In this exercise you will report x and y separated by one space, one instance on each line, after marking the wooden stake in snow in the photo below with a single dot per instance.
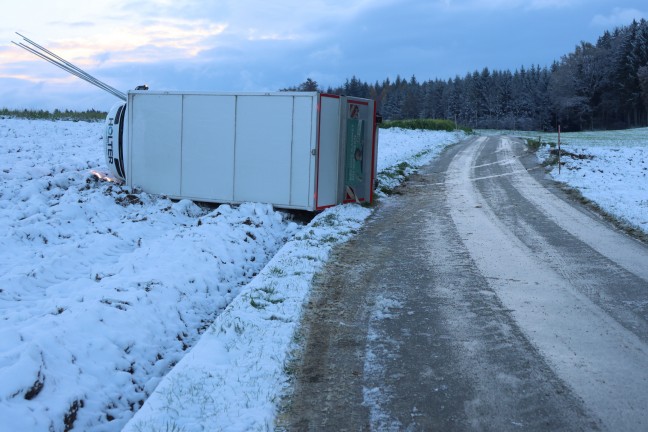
558 149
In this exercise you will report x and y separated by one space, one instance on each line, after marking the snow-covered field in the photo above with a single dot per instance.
112 301
103 291
613 172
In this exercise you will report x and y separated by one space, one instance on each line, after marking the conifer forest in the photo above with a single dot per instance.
597 86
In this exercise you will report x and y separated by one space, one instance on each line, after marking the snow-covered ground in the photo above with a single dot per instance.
401 151
110 300
613 172
103 292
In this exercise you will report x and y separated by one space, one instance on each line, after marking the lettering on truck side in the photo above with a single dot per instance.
109 140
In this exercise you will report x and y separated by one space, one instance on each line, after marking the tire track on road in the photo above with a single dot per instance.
603 362
437 348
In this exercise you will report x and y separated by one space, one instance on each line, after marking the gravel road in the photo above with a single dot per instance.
480 298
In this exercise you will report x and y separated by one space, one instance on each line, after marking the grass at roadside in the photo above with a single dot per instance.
425 124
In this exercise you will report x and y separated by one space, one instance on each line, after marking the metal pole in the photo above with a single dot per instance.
60 62
68 70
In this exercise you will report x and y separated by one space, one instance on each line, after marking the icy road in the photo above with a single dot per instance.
480 299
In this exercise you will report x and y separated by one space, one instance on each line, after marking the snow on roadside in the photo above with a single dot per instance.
414 147
401 151
233 378
104 290
613 174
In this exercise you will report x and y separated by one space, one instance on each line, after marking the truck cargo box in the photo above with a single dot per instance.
296 150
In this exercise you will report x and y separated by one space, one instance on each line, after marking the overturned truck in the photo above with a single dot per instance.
296 150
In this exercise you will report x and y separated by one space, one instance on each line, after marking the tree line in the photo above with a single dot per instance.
597 86
90 115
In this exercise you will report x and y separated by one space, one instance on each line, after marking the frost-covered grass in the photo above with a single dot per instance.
621 138
103 291
615 178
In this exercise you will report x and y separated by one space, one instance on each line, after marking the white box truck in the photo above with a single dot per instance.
295 150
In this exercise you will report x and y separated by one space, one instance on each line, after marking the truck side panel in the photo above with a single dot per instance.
263 146
300 150
208 147
156 137
301 177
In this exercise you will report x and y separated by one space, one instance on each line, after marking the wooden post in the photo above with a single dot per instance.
558 149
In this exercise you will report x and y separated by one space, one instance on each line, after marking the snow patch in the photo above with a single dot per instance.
379 347
232 379
614 174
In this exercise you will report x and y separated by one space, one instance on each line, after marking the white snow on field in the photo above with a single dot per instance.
614 174
104 290
110 298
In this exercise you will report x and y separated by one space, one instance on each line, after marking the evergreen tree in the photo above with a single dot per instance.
596 86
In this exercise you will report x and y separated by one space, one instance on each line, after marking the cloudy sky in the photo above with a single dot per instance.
266 45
